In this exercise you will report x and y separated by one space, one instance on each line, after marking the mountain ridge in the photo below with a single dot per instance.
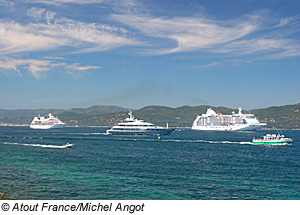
281 117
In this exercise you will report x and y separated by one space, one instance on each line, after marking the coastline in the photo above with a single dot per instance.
3 196
93 126
13 125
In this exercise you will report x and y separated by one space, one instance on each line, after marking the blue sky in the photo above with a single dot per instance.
79 53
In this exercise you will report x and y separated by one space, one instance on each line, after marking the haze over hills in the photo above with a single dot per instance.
78 115
93 110
99 109
281 117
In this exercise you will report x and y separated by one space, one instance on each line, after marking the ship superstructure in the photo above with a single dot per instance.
212 121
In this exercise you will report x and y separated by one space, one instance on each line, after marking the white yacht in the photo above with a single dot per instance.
132 126
211 121
41 122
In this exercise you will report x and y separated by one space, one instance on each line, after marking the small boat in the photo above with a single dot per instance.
68 145
272 139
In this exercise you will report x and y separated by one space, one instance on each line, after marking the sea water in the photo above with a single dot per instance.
185 165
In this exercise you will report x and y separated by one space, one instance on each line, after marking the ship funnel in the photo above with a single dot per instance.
240 111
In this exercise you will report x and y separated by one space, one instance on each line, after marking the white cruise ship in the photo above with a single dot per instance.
42 122
211 121
132 126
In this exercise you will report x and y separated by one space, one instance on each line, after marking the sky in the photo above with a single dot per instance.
79 53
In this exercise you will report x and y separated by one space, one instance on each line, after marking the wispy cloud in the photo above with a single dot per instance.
43 31
272 48
6 5
59 2
32 65
76 66
37 13
117 4
209 65
248 35
17 38
54 32
288 21
38 67
189 33
46 31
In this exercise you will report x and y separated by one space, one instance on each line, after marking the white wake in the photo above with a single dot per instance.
37 145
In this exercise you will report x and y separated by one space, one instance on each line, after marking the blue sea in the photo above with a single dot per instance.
185 165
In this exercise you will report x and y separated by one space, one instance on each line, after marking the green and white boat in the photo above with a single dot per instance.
272 139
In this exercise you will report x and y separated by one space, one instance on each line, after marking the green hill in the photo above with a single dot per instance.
99 109
282 117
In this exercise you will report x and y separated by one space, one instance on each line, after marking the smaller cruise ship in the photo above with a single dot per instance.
132 126
41 122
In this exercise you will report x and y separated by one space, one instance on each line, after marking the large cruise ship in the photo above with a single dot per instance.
132 126
211 121
41 122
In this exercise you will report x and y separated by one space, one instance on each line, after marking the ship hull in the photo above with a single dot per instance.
47 126
270 142
236 127
140 132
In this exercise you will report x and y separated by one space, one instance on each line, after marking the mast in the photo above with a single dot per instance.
131 117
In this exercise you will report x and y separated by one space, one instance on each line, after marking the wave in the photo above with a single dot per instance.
177 140
88 134
207 141
197 141
154 140
37 145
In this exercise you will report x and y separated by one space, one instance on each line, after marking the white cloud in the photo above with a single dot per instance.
47 33
59 32
115 3
54 58
276 48
10 64
16 38
32 65
38 67
293 20
189 33
77 67
58 2
237 36
6 5
36 13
